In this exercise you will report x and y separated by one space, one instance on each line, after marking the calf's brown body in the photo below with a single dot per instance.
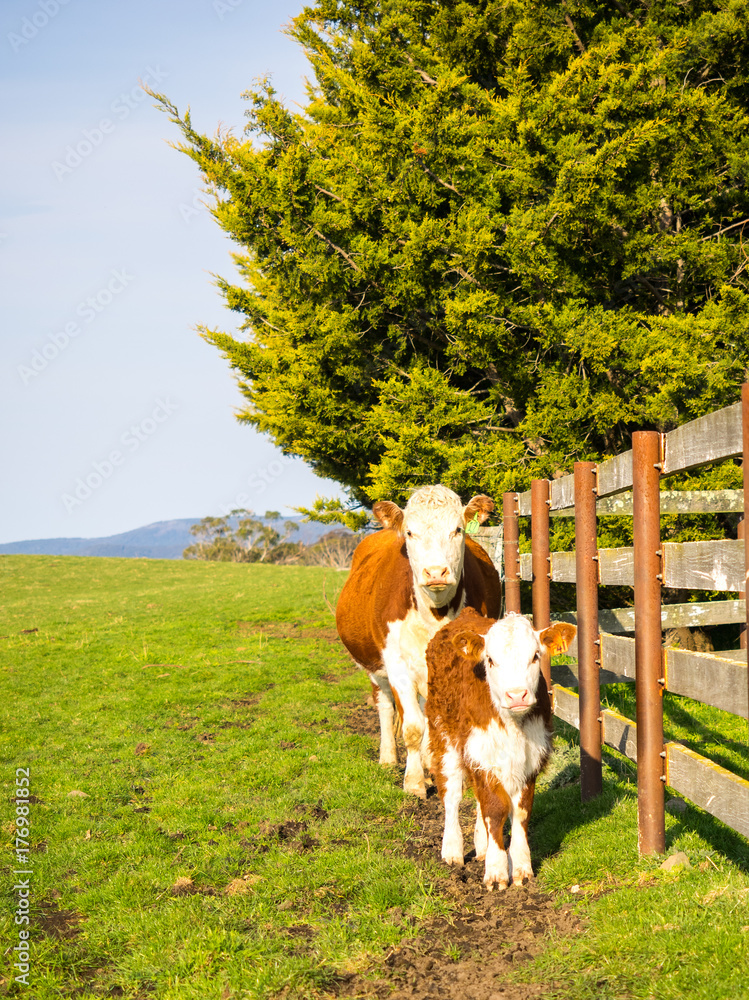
489 734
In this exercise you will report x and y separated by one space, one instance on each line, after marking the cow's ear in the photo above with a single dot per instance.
480 507
388 514
470 644
558 636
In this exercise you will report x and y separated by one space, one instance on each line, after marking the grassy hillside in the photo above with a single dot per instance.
205 825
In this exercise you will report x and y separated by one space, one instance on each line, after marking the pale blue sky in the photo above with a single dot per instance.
106 266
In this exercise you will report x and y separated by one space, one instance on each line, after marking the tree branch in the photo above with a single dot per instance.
328 193
336 248
439 180
726 229
578 40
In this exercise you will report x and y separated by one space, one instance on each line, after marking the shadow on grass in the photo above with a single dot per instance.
558 810
557 807
682 723
699 735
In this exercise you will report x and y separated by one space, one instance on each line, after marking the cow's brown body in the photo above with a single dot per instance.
380 590
390 608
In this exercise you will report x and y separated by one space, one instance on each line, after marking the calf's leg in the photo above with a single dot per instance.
479 834
495 807
448 774
520 855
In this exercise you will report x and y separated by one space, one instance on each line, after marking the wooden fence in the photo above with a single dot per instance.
629 484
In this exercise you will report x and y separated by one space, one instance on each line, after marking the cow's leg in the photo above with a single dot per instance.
426 754
495 807
385 704
448 774
414 724
479 834
413 736
520 855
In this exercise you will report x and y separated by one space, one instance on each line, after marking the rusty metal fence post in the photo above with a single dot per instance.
741 536
511 551
541 563
649 679
588 642
745 470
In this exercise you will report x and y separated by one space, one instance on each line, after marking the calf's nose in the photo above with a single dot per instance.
519 698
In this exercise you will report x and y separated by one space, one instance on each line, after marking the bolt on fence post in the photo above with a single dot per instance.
745 470
646 466
541 564
511 550
588 650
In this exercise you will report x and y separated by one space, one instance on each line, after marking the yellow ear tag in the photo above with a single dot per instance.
473 525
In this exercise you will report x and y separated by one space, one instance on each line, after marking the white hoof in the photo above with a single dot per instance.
453 859
521 875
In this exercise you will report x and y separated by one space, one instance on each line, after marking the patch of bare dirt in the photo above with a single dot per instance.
56 923
184 886
488 935
288 630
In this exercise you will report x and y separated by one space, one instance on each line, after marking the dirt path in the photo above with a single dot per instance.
469 956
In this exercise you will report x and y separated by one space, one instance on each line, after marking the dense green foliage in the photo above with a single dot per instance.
500 237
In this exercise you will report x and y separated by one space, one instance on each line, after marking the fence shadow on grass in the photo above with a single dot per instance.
558 810
678 714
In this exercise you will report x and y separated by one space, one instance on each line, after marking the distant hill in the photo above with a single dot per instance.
161 540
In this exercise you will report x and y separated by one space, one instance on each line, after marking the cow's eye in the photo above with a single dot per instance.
458 530
409 534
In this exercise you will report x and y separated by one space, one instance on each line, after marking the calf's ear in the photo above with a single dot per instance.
470 644
479 506
558 636
388 514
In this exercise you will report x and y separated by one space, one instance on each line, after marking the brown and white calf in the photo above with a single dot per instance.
489 719
405 583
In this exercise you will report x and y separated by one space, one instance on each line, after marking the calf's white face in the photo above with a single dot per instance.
433 525
511 654
512 658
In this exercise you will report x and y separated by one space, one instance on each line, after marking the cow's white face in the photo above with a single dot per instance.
511 653
433 525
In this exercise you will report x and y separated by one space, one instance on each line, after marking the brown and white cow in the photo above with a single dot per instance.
405 583
489 720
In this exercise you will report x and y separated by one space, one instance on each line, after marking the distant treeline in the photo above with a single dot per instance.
243 537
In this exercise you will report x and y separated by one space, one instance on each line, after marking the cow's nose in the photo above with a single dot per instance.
436 576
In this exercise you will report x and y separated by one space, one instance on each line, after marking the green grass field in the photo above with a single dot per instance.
205 826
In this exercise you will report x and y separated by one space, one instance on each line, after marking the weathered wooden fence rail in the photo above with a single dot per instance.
629 485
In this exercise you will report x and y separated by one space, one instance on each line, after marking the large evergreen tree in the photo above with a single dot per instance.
502 235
